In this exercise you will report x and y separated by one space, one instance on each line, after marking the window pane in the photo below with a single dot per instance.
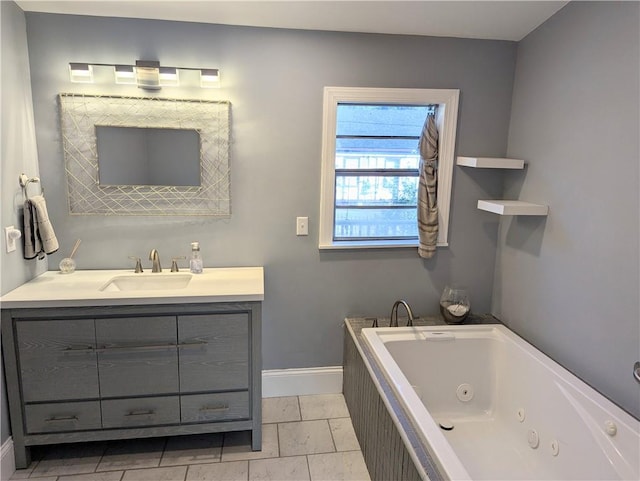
364 161
367 145
354 223
381 138
381 120
376 191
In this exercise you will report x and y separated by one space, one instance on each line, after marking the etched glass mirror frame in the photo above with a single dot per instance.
79 114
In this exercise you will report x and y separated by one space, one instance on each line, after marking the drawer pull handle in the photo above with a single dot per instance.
61 419
148 412
152 347
192 344
214 409
83 349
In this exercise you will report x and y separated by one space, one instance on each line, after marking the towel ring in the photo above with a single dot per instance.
25 181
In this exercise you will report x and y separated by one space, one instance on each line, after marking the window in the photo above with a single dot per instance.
370 164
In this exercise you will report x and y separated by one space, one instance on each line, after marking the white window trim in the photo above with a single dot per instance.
446 119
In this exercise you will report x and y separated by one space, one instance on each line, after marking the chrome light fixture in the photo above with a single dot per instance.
146 74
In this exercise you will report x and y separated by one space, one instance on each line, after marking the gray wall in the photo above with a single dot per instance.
569 283
274 80
18 155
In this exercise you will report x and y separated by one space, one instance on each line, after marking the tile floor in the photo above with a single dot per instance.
304 438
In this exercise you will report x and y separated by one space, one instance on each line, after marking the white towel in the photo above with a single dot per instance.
39 237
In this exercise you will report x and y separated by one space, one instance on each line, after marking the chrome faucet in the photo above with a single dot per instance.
155 257
394 309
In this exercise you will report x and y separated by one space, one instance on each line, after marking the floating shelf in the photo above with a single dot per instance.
512 207
490 163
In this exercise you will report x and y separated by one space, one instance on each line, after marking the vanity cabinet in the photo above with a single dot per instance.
114 372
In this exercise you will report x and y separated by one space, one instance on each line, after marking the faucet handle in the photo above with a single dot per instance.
138 264
174 263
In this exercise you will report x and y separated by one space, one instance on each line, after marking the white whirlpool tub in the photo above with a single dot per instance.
487 405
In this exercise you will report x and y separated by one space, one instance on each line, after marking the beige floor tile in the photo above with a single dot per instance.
66 459
106 476
345 466
323 406
194 449
237 445
305 437
343 434
280 409
174 473
281 469
132 454
24 473
45 478
233 471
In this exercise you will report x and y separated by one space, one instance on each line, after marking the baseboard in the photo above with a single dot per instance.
7 460
300 382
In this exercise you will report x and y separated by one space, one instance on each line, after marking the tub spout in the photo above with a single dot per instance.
394 310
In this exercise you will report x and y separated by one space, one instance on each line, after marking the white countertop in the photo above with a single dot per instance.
82 288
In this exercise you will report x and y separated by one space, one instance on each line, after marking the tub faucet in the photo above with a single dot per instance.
394 310
155 257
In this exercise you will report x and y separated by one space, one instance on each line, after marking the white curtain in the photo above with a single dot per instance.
427 189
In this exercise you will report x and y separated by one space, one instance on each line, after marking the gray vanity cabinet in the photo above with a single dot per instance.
96 373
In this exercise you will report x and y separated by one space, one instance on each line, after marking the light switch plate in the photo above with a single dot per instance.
302 226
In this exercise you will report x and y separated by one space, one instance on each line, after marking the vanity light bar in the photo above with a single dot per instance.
125 74
81 72
147 74
209 78
169 77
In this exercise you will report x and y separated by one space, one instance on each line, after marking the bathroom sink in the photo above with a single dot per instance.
147 282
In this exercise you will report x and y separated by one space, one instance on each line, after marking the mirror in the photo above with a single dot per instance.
189 138
148 156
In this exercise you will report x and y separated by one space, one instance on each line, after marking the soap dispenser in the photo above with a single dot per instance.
195 262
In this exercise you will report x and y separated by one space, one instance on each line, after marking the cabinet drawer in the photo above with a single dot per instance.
122 413
57 359
215 407
137 356
214 352
74 416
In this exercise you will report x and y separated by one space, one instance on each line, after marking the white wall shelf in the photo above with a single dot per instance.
512 207
502 207
490 163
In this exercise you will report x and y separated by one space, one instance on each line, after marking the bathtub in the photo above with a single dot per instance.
487 405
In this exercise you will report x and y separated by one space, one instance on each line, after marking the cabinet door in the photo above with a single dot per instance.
57 359
137 356
214 352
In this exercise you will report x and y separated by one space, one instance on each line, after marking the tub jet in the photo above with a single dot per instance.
446 425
